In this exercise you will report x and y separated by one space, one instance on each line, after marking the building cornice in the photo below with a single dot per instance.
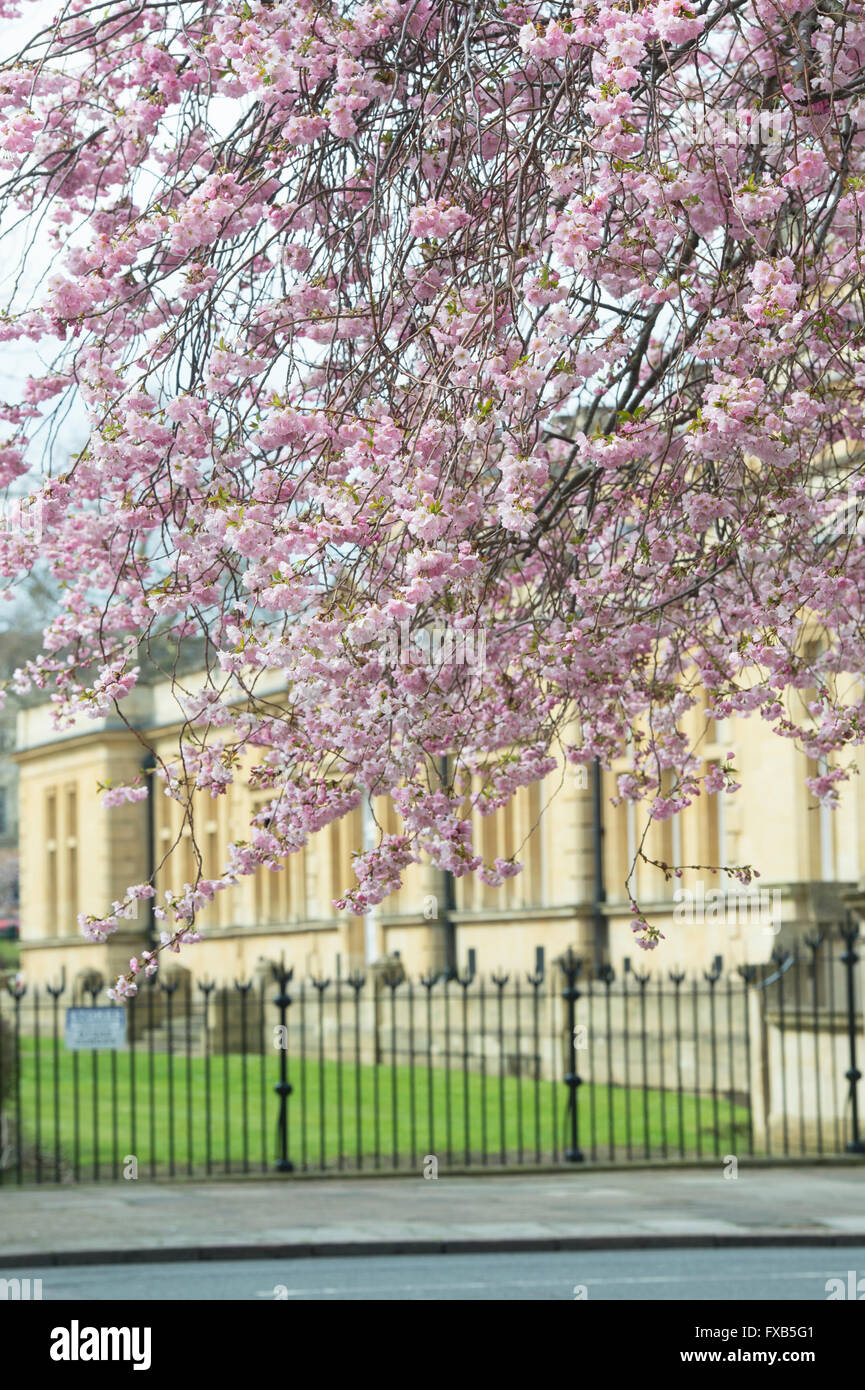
76 742
566 912
53 943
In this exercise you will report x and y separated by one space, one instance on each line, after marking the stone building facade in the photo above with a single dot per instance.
576 847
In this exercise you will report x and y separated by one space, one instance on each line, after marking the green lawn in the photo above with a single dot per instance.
10 954
402 1115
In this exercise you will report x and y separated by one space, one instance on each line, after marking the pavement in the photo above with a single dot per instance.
580 1209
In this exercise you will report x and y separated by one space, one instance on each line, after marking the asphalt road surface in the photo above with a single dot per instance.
797 1274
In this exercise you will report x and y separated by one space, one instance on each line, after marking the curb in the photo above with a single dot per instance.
483 1245
480 1171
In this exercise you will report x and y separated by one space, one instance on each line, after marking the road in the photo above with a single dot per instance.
796 1274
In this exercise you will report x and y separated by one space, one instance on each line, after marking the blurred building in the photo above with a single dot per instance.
8 816
16 646
576 847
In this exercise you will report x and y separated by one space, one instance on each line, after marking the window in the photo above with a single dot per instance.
716 831
52 925
271 886
212 867
821 838
71 906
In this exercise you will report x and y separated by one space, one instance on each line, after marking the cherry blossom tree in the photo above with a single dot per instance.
542 321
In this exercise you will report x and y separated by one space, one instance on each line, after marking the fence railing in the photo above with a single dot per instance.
375 1071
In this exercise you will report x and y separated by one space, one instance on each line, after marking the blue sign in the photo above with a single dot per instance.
102 1029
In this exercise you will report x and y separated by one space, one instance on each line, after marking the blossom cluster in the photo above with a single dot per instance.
450 317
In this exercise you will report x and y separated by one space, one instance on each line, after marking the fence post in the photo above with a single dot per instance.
571 968
850 933
283 1088
17 989
10 1081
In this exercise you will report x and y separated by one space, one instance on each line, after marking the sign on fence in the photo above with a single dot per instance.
95 1028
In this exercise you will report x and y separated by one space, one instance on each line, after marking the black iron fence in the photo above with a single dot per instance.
375 1071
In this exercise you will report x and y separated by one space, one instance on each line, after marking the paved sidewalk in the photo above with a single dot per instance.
139 1221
